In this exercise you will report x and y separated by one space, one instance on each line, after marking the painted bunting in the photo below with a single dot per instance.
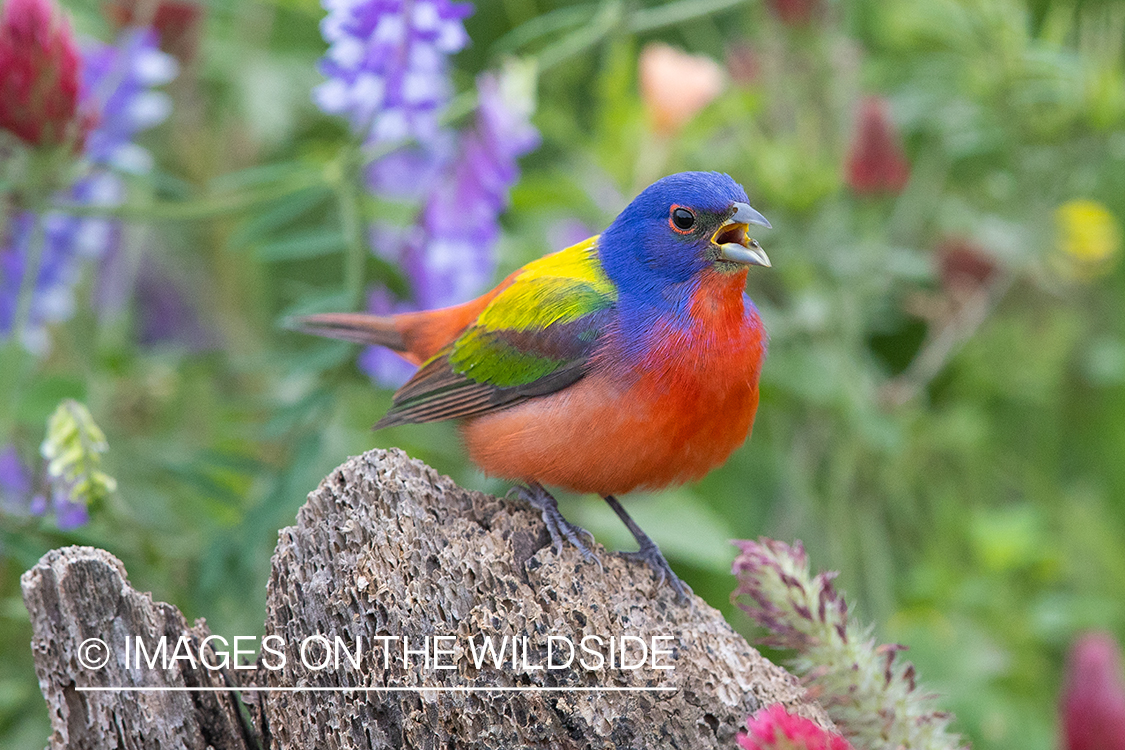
629 360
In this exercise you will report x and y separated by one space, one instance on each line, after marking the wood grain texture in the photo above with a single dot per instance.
388 547
77 593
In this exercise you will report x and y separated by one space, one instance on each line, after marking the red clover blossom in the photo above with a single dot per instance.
774 728
1093 696
39 74
876 162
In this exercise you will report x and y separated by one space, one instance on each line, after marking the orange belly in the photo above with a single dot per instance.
668 423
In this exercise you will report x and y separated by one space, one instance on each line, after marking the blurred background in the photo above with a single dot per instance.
943 405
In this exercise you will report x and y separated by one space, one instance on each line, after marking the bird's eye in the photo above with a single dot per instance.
682 219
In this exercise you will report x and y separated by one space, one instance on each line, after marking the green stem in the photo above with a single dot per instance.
6 211
22 318
609 16
204 208
549 23
648 19
351 216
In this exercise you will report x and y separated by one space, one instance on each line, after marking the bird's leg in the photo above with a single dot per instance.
558 527
648 551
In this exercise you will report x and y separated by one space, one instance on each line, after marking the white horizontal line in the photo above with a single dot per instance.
315 689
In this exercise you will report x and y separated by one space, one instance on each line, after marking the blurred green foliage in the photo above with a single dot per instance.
953 445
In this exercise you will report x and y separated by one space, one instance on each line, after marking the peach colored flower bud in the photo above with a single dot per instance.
1093 697
675 86
876 162
39 74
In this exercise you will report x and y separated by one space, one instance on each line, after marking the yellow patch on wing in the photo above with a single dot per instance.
579 262
557 288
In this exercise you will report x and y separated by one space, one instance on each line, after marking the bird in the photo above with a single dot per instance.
628 361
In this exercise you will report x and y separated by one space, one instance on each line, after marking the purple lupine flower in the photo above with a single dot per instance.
387 64
15 481
450 256
16 498
387 71
67 242
68 515
462 217
411 172
116 93
119 83
164 310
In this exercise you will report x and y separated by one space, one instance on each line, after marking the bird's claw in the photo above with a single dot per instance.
651 555
557 526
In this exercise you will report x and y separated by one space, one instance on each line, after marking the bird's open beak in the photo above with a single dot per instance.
733 241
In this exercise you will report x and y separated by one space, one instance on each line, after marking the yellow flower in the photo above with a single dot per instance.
1089 236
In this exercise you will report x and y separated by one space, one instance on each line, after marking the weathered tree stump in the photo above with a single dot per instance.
387 554
80 593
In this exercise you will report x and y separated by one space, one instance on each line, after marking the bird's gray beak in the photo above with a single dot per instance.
733 242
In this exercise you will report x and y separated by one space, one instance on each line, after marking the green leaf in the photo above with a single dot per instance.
281 213
315 243
257 176
315 302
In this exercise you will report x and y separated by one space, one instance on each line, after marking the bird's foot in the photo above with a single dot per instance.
651 555
558 527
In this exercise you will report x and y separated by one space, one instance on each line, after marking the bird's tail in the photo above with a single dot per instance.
359 328
417 336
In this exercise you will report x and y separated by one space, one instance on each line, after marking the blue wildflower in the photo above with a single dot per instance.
450 256
68 515
165 312
387 71
15 481
387 64
18 497
119 83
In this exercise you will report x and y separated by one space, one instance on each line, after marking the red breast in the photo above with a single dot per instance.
679 412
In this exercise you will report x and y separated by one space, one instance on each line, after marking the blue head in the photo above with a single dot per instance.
678 227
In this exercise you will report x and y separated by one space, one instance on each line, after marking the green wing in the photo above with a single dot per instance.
536 337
